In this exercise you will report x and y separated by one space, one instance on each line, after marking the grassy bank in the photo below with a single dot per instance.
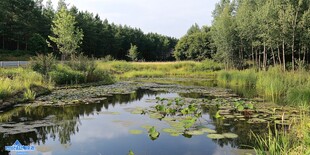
43 73
21 83
288 88
126 70
292 88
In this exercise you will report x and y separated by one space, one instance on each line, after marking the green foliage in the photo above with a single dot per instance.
217 115
123 69
131 152
37 44
273 143
66 36
107 58
196 45
153 133
19 81
65 75
29 95
133 53
299 95
82 63
43 63
274 85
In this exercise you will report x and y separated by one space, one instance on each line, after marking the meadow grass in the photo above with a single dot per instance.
20 80
127 70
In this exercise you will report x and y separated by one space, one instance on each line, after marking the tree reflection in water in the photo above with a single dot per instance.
66 119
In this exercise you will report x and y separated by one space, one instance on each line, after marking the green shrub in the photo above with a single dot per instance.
43 63
100 76
107 58
65 75
82 63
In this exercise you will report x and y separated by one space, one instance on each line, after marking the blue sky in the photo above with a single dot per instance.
168 17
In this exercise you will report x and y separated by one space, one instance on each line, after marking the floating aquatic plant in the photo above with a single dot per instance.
215 136
153 133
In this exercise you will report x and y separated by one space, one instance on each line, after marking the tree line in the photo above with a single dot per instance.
268 32
26 24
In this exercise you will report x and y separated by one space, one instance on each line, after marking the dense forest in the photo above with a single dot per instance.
268 32
26 24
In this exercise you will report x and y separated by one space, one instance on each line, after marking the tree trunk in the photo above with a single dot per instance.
293 58
259 61
299 55
304 56
252 50
283 55
273 57
256 58
293 41
264 57
279 55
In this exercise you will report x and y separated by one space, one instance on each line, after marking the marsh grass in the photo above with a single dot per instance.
294 140
273 143
127 70
19 80
291 88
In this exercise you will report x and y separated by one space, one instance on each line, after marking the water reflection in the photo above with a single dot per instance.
83 129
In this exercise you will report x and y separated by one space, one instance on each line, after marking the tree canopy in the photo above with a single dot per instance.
22 20
195 45
66 36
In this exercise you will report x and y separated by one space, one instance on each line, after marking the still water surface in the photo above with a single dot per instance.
103 129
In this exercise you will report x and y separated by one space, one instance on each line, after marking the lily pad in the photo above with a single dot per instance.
195 132
175 134
170 130
153 134
169 119
207 130
156 116
215 136
177 125
135 132
230 135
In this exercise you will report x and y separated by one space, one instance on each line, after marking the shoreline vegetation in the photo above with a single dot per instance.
44 74
275 85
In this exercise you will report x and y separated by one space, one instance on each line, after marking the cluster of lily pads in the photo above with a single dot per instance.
241 110
182 115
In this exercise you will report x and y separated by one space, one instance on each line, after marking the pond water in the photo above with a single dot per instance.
104 129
